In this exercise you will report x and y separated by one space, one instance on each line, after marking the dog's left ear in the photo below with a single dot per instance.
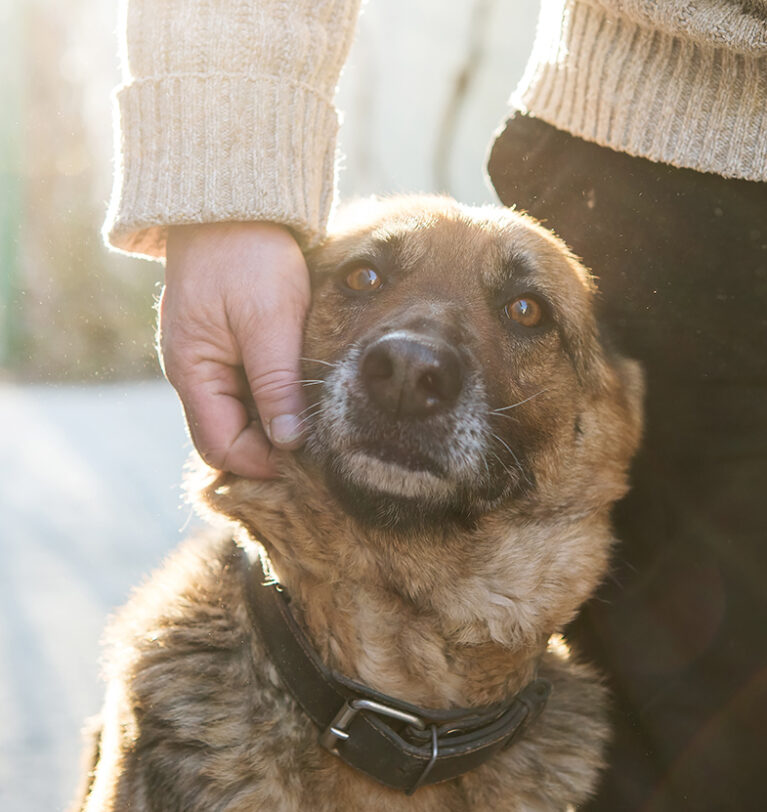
626 389
632 375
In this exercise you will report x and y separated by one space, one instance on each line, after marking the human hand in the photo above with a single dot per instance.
231 322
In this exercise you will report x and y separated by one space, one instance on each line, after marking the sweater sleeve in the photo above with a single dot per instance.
226 113
683 82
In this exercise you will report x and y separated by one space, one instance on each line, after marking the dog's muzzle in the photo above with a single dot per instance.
402 426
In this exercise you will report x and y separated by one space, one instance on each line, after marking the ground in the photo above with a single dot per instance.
90 501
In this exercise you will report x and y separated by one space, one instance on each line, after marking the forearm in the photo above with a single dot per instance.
226 114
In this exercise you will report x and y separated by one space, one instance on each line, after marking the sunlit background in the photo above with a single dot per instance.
91 441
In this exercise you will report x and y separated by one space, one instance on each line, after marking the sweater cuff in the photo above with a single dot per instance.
200 149
648 93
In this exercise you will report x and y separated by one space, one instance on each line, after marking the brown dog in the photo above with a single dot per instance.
468 434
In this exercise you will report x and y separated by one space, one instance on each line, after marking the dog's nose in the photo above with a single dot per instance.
411 376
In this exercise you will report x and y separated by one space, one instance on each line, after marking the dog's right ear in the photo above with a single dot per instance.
202 483
251 503
212 493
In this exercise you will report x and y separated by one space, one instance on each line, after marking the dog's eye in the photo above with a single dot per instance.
363 279
524 310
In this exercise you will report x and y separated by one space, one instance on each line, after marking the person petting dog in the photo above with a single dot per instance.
639 135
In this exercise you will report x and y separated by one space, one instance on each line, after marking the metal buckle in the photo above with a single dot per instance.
337 730
430 763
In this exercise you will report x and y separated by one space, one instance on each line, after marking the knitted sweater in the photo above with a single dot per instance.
226 109
226 113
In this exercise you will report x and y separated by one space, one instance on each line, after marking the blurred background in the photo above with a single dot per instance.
92 441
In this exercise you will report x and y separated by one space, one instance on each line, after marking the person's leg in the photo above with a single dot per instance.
678 628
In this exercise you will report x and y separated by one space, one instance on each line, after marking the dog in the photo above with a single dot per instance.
413 566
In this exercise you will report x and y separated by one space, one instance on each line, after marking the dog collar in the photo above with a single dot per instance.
398 744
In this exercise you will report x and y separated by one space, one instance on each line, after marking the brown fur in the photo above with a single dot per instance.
452 603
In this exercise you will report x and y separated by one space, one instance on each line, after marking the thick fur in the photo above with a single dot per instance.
437 570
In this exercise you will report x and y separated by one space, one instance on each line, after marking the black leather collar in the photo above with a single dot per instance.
398 744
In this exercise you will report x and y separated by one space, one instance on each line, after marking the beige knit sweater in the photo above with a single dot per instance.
226 109
226 113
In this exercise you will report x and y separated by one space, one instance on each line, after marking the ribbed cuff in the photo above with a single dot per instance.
199 149
648 93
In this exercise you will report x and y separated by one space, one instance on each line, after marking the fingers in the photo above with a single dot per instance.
231 321
269 327
270 357
214 397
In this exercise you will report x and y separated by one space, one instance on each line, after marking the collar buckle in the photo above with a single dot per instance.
337 731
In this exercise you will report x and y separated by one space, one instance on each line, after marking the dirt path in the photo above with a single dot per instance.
90 501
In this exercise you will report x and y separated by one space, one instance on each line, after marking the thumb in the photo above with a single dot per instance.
270 356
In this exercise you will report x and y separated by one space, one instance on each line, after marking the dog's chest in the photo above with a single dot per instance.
207 692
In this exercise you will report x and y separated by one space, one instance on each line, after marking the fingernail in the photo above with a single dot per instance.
284 429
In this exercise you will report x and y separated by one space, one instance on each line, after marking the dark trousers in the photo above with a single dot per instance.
680 626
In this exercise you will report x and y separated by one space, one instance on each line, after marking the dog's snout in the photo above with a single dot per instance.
411 376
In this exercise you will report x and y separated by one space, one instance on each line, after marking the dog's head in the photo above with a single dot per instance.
462 367
468 428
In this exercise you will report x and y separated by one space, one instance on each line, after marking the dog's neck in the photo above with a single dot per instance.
412 650
447 618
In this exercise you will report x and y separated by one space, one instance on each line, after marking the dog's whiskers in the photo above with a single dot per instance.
503 465
318 361
308 409
514 457
500 414
318 410
311 381
518 403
